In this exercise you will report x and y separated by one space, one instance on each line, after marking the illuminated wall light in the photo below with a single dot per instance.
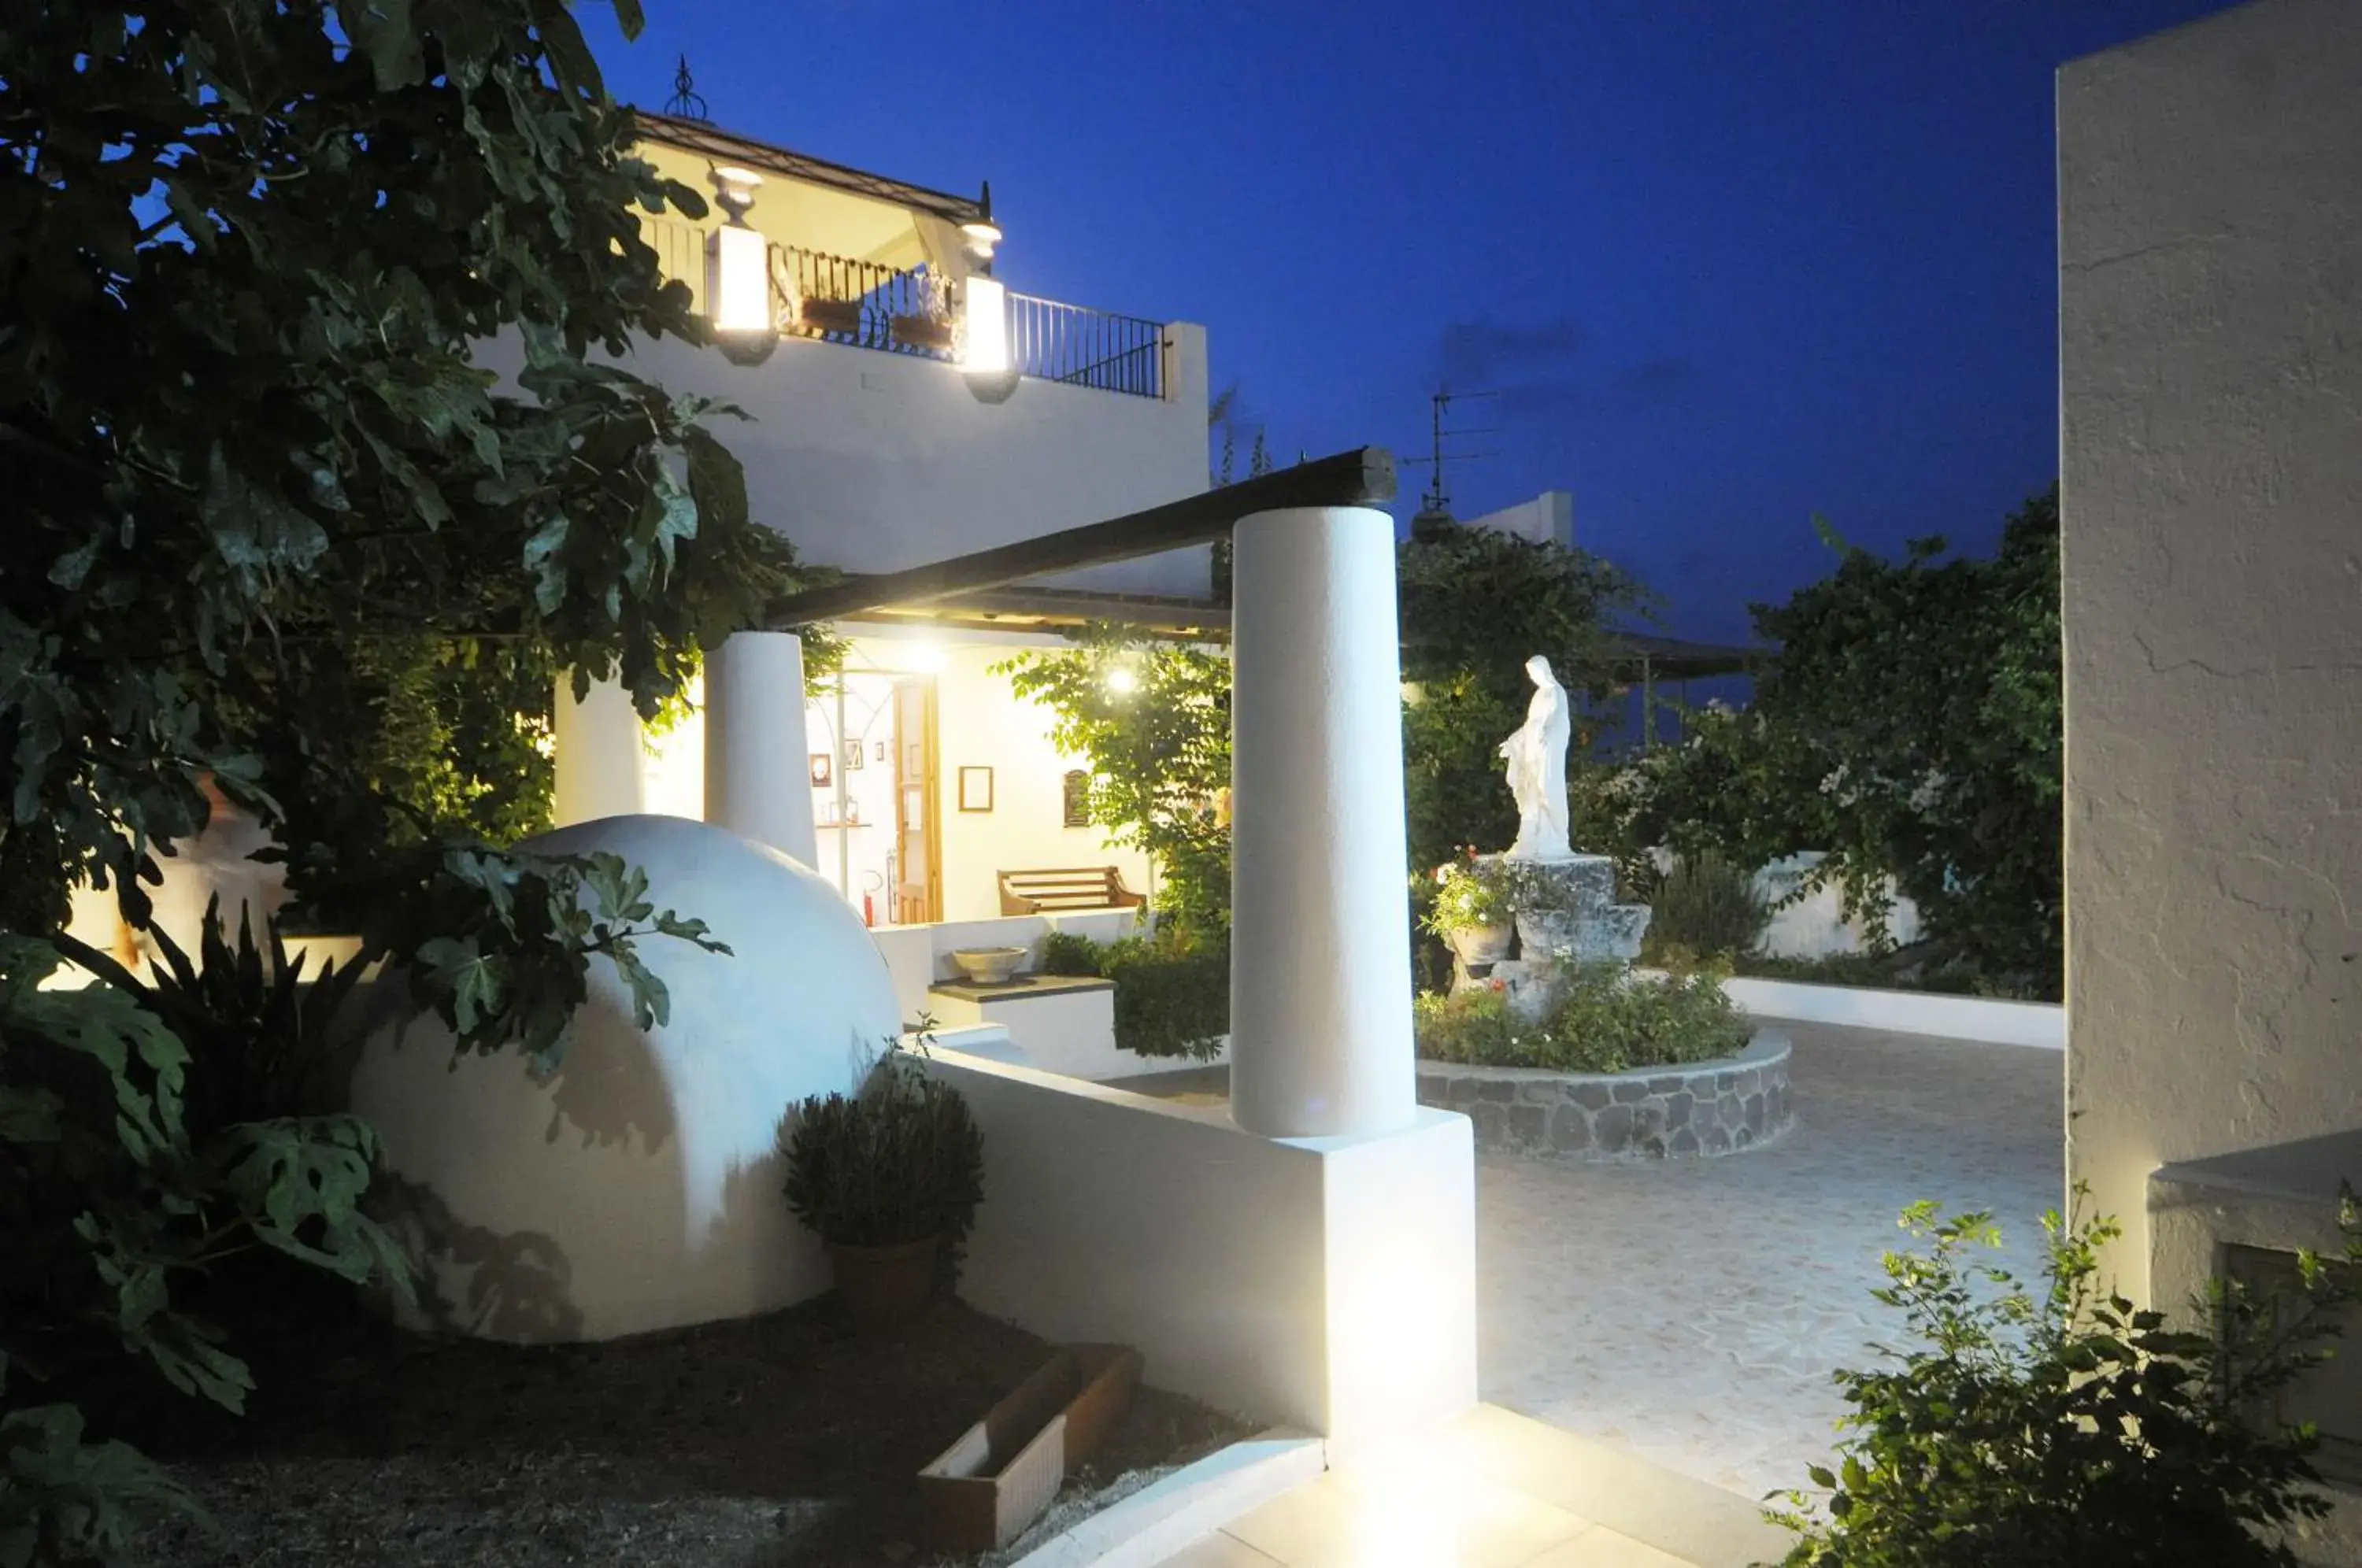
927 656
744 323
984 350
742 282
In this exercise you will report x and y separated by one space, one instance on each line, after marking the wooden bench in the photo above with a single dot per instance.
1054 893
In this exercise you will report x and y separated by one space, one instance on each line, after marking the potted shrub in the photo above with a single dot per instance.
889 1178
1472 912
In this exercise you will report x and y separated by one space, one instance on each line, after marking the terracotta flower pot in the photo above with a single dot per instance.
1481 944
885 1288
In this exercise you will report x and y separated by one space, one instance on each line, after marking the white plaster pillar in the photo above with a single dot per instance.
758 752
598 753
1320 981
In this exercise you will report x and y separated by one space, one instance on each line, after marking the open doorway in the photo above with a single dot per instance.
875 802
917 874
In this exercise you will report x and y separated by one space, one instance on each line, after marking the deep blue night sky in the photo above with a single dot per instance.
1730 263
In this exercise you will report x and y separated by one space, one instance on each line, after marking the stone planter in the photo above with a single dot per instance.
1688 1111
1481 946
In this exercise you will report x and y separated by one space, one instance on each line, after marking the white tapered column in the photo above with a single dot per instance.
757 752
597 754
1320 983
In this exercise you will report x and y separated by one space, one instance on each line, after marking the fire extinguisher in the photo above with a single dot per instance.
868 909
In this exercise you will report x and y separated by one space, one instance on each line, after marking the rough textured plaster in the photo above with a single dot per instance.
2211 320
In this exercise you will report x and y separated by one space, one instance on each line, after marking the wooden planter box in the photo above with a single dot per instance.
981 1492
834 315
923 332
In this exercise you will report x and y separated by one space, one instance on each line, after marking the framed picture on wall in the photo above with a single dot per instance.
823 774
852 754
976 789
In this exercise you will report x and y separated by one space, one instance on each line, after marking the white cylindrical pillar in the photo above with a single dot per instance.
758 752
598 753
1320 982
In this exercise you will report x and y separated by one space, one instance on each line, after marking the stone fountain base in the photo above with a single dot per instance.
1566 915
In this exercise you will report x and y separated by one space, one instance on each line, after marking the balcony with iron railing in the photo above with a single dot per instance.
916 311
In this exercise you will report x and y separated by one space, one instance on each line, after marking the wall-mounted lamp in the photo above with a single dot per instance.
744 326
983 340
980 234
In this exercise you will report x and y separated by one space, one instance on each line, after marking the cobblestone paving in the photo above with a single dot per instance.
1694 1309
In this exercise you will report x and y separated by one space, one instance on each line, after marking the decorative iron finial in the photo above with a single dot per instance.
685 103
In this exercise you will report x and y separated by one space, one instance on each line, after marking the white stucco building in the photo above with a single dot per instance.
2211 503
877 441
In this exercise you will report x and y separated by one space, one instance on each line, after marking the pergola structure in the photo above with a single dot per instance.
1320 1036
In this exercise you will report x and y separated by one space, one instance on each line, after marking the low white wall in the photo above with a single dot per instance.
1328 1284
1987 1020
1068 1033
1815 926
918 955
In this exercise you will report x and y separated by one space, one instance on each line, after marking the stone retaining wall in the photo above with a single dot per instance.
1679 1112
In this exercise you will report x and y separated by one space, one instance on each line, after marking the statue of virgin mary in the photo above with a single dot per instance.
1536 759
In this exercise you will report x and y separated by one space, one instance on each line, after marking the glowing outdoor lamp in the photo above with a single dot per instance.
984 350
1123 680
985 359
745 324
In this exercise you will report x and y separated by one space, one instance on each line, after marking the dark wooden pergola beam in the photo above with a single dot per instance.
1361 478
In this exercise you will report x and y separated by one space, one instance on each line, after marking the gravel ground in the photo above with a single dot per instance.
783 1439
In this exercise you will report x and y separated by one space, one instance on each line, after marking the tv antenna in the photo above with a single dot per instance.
1436 503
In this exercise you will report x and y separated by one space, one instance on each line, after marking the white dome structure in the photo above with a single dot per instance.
638 1187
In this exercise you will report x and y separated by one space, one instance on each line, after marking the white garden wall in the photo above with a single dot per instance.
1322 1283
2210 339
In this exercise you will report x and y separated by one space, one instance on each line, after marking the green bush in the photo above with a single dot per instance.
1604 1021
2070 1429
1708 906
899 1161
1172 997
1068 953
124 1178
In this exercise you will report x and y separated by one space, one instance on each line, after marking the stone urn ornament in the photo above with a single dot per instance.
1472 913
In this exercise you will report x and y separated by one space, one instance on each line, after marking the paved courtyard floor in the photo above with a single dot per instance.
1694 1310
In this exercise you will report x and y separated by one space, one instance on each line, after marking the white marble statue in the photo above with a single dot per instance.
1537 758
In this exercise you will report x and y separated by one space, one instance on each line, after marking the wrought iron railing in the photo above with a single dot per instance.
866 305
861 303
681 254
1087 348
